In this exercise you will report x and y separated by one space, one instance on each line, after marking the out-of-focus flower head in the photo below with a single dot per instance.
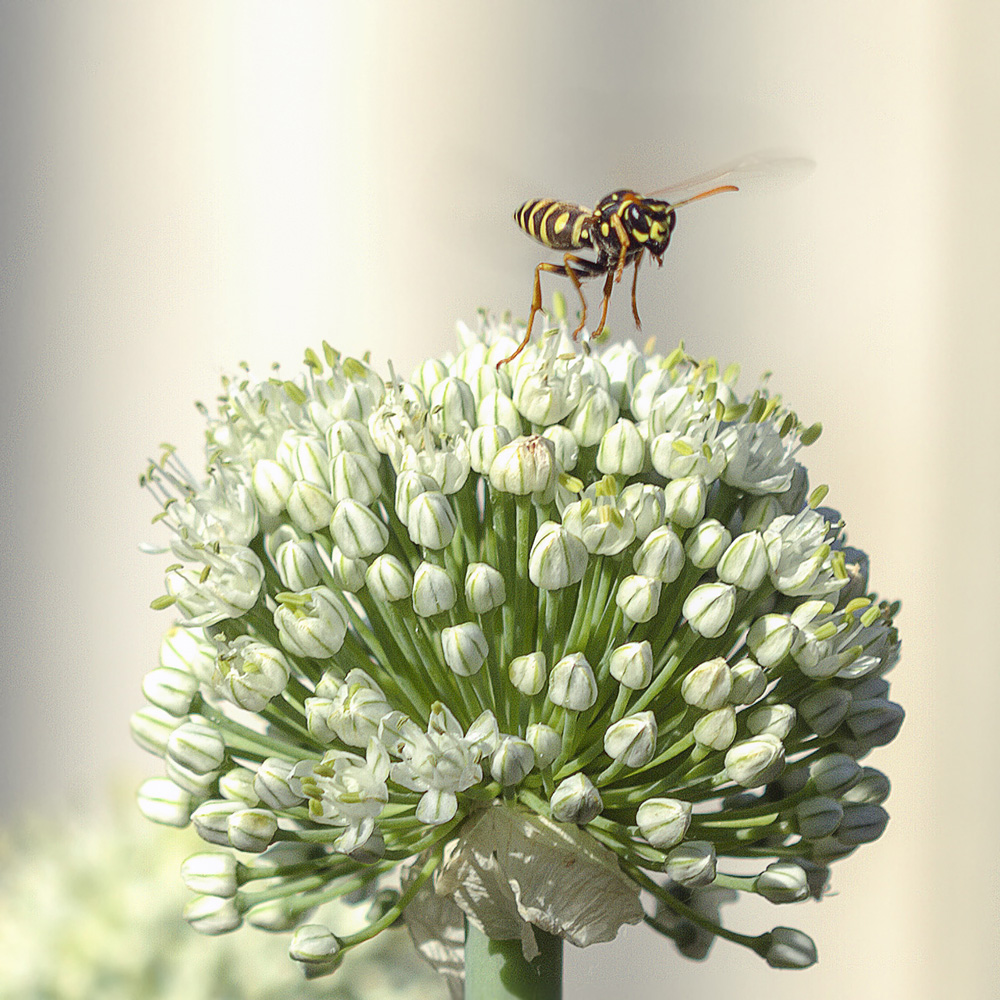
565 644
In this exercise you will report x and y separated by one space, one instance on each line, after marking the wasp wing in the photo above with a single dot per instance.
755 173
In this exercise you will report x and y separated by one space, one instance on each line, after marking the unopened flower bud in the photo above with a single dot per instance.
433 590
834 774
296 559
465 648
348 572
272 785
745 562
388 579
358 531
354 475
708 685
309 506
706 543
211 820
526 465
685 500
575 800
272 485
782 882
274 915
546 742
660 556
756 761
709 608
170 690
431 521
252 830
788 948
749 682
639 597
716 730
572 684
622 451
484 588
237 786
212 873
778 720
409 485
351 436
314 624
163 801
862 823
557 559
663 822
485 443
528 673
452 405
874 722
818 817
212 914
824 709
770 639
314 944
872 788
151 728
631 664
692 863
567 451
497 409
596 412
197 746
632 740
512 760
645 502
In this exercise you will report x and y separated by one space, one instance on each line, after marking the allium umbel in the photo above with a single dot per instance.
562 645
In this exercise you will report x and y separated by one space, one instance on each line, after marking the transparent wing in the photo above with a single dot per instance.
765 171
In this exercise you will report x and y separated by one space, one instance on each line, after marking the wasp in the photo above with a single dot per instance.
621 230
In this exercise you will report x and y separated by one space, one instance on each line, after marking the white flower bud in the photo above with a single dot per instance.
252 673
749 682
358 531
756 761
212 914
313 624
575 800
761 512
546 396
745 562
709 608
594 415
388 579
862 823
778 720
410 485
162 801
526 465
663 822
692 864
272 784
307 458
272 485
567 451
834 774
557 559
484 734
198 783
631 664
452 406
197 746
485 444
645 503
428 374
314 945
309 506
716 730
790 949
252 830
151 728
818 817
354 475
871 788
465 648
237 786
497 410
622 451
484 588
685 500
782 882
660 556
212 873
638 597
274 915
431 521
297 560
824 709
572 684
632 740
707 686
188 650
211 820
347 572
169 689
528 673
351 436
546 742
706 543
433 590
512 760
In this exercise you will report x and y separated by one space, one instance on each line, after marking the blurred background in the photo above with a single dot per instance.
188 185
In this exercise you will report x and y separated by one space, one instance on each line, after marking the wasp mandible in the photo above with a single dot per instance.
623 227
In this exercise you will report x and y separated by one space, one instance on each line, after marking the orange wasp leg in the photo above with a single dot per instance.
635 281
609 282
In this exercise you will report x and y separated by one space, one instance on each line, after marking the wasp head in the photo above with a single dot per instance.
655 220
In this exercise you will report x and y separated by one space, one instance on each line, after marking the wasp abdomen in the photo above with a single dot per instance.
558 224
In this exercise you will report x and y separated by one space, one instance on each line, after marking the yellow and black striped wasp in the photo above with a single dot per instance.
623 227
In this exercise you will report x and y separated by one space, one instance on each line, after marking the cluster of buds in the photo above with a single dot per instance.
565 643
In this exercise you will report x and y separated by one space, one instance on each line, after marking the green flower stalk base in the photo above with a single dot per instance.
498 970
566 643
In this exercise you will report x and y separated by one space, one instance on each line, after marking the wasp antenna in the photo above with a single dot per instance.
705 194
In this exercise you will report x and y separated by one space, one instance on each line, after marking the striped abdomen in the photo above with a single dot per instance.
557 224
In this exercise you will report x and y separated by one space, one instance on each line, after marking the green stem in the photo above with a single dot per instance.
497 970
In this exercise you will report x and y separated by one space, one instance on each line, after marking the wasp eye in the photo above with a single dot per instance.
633 214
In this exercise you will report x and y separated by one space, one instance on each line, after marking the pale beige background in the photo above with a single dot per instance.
186 185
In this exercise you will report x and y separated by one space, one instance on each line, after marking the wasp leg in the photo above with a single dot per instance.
635 281
574 268
619 229
609 282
